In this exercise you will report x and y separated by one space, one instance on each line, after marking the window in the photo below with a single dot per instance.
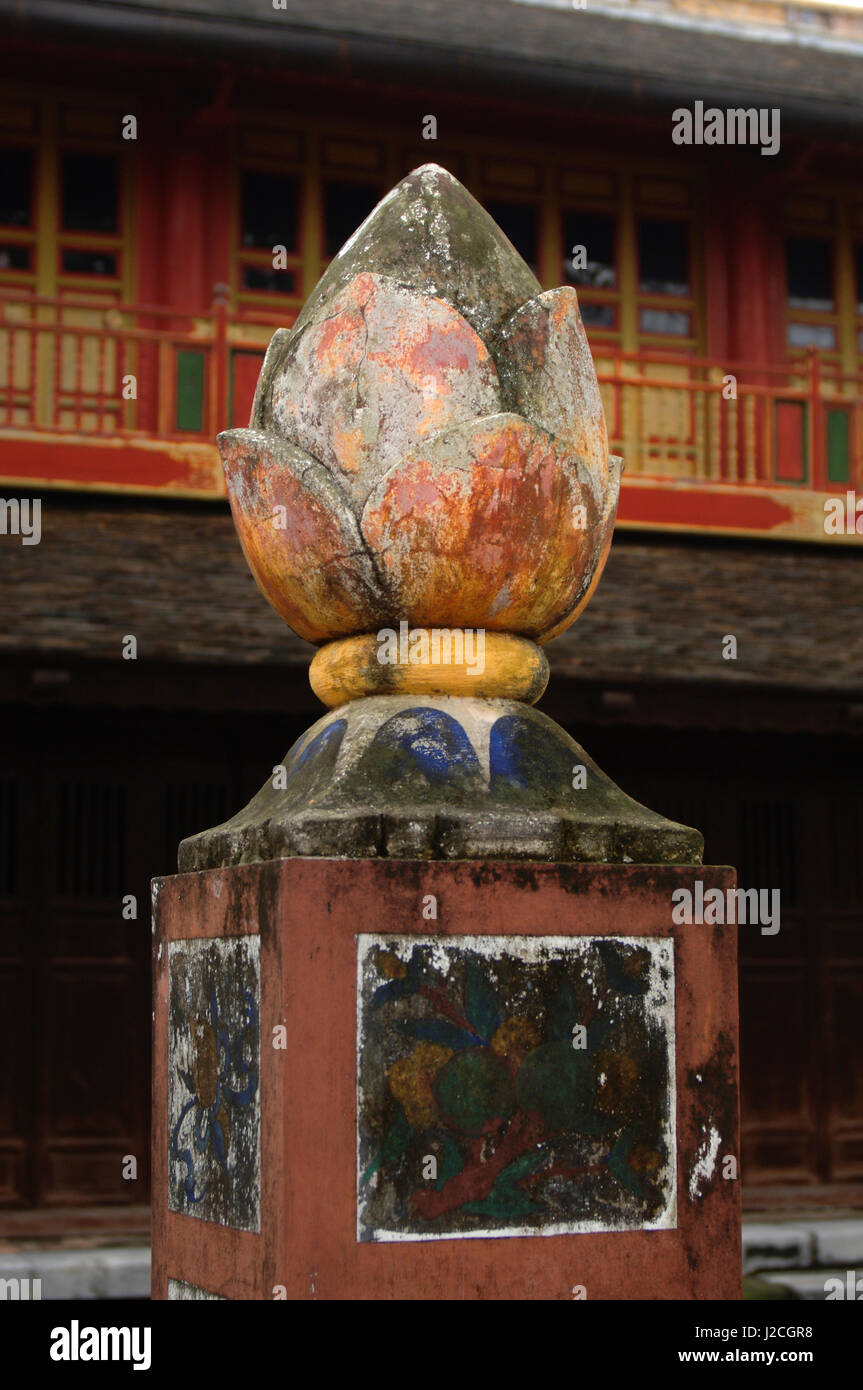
89 193
810 293
14 257
664 273
663 257
18 247
16 187
346 205
597 315
518 222
89 215
817 335
89 262
262 280
270 210
269 219
668 321
590 263
592 235
809 270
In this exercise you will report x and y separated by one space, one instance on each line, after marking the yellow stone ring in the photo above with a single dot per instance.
429 661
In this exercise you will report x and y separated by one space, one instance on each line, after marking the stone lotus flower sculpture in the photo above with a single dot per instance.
428 442
428 450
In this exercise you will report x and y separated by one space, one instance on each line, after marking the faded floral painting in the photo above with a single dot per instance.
514 1085
214 1080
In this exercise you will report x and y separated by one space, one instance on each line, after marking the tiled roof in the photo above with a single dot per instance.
526 45
174 576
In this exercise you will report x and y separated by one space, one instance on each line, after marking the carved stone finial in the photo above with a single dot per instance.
427 471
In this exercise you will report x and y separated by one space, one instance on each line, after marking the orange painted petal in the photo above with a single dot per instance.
601 547
547 375
300 537
481 528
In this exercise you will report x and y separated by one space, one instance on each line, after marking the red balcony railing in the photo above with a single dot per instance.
747 423
85 370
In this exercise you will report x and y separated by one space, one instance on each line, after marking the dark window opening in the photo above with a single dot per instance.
89 262
519 222
597 315
16 187
663 249
809 264
89 192
594 231
263 279
270 209
346 205
14 257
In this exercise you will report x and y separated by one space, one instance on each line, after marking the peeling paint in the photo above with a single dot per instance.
704 1166
432 394
179 1290
214 1103
466 1055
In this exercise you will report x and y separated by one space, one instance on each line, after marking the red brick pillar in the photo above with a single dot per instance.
441 1081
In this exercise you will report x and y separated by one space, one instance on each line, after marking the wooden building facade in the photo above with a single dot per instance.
173 181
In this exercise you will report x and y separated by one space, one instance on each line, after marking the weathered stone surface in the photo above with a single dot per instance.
471 515
300 537
547 375
444 778
430 233
381 483
383 371
486 526
601 545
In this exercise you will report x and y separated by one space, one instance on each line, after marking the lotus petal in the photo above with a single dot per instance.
300 537
486 526
547 375
601 542
386 368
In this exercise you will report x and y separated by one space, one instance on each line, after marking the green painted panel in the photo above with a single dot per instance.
838 453
190 391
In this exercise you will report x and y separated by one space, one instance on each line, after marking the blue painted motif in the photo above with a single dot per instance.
430 742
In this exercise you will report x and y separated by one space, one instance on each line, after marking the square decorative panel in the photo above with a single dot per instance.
514 1085
214 1048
